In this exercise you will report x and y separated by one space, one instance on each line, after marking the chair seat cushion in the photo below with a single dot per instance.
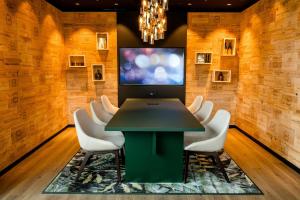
200 119
115 137
193 137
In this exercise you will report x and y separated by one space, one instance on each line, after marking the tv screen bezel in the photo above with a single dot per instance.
153 85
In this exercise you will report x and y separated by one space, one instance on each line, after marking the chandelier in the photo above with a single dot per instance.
153 20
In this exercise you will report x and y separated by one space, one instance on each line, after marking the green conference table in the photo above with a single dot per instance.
153 130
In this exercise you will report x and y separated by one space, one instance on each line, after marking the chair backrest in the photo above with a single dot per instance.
99 114
84 126
108 106
91 136
203 114
195 106
219 125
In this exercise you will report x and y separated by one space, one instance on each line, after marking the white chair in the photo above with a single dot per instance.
195 106
108 106
210 143
99 114
93 139
203 114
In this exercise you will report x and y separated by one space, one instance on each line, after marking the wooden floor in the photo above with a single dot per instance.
30 177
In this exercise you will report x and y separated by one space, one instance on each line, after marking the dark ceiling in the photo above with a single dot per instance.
133 5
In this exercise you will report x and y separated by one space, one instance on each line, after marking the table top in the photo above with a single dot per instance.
157 115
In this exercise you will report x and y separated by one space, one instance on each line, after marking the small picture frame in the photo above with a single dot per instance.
221 76
98 72
76 61
229 47
203 58
102 41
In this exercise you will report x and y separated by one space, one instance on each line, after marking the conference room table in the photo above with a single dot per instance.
154 142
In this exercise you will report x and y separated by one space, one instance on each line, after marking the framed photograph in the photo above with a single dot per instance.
203 58
221 76
102 41
77 61
98 71
229 47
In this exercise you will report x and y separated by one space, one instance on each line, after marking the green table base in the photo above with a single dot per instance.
154 156
153 131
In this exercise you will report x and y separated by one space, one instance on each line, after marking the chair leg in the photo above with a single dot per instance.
213 160
118 165
186 168
123 155
221 167
86 158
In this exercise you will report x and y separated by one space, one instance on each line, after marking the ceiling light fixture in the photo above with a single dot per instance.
189 4
77 4
229 4
153 20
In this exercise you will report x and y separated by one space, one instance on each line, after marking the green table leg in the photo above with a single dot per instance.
154 156
154 143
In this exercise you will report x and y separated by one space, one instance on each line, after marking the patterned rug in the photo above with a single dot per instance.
99 177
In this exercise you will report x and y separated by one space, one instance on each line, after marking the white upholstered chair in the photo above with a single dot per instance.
211 142
94 139
99 114
108 106
195 106
203 114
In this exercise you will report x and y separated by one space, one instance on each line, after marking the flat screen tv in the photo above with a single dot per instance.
151 66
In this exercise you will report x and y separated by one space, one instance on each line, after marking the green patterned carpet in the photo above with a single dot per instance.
99 177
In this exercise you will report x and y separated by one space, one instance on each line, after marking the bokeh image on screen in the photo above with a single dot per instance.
151 66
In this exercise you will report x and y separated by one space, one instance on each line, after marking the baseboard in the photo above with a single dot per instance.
9 167
285 161
279 157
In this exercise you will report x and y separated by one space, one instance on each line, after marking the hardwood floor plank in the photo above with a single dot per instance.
264 169
28 179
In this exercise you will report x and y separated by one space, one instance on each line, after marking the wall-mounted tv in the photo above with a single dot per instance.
151 66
